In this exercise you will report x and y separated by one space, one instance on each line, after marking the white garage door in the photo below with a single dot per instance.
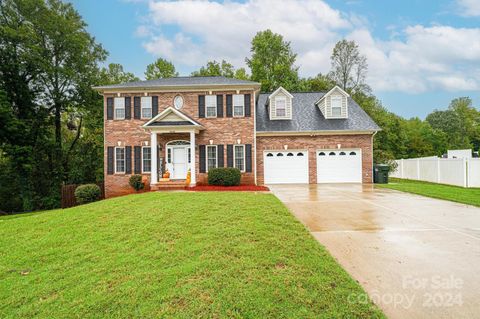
286 167
339 166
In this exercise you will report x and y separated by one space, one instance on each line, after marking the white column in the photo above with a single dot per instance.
154 156
193 166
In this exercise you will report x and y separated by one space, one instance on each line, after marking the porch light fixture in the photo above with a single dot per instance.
145 93
211 142
285 147
118 94
146 143
119 143
238 141
339 146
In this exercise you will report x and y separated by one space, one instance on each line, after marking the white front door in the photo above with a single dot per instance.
339 166
286 167
179 162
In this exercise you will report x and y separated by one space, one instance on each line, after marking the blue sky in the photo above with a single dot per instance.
421 53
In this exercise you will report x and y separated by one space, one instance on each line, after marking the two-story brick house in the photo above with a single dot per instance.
197 123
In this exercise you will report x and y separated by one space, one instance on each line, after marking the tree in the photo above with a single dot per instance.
318 83
214 68
160 69
272 62
349 67
114 74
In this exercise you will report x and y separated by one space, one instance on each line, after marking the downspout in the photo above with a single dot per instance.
373 135
254 137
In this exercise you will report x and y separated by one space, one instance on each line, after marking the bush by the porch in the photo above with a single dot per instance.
87 193
224 176
136 182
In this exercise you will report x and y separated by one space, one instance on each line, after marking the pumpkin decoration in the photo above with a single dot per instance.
189 178
166 174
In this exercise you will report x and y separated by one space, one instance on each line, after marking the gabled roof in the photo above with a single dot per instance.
178 119
307 117
336 88
281 89
181 81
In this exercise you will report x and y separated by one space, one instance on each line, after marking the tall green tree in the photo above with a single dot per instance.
272 62
161 68
114 74
349 67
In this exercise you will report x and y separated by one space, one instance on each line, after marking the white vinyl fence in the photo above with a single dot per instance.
453 171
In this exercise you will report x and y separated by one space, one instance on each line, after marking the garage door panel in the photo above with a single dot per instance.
285 167
339 166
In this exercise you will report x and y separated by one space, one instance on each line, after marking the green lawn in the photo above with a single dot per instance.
184 255
469 196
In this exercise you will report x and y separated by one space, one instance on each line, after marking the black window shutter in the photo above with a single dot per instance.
201 106
229 105
128 160
229 155
136 107
128 107
154 106
248 108
137 155
248 157
201 150
110 108
110 150
219 105
220 160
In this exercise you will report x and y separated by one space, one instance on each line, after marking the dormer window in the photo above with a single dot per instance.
334 104
280 105
337 102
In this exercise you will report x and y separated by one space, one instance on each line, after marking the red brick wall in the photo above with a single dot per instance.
224 131
313 143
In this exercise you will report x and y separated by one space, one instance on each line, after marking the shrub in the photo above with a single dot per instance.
87 193
136 182
224 176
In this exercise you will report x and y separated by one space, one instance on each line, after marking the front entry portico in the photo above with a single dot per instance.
180 154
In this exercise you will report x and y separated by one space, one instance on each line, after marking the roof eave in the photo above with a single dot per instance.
196 87
317 132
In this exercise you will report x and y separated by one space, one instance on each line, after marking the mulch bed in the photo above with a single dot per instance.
241 188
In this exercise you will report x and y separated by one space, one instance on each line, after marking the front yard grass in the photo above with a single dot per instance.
470 196
177 254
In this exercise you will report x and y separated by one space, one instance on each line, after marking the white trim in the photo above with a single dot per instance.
214 97
314 133
243 105
115 107
283 90
124 159
154 145
179 88
206 156
244 159
336 87
143 170
167 111
142 99
254 138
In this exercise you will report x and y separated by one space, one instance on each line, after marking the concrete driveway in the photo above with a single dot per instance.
415 256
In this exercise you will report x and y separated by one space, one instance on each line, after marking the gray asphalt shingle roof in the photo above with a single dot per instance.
306 116
181 81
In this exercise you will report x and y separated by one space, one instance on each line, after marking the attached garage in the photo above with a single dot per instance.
339 166
286 167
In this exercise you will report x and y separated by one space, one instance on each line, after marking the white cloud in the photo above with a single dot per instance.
469 8
418 59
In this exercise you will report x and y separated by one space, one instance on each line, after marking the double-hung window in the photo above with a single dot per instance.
211 156
211 105
120 160
239 157
146 103
336 103
146 159
280 106
119 106
238 105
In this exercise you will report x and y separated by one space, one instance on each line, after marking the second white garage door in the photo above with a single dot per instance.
339 166
285 167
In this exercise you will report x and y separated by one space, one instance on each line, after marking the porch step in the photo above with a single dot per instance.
170 185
